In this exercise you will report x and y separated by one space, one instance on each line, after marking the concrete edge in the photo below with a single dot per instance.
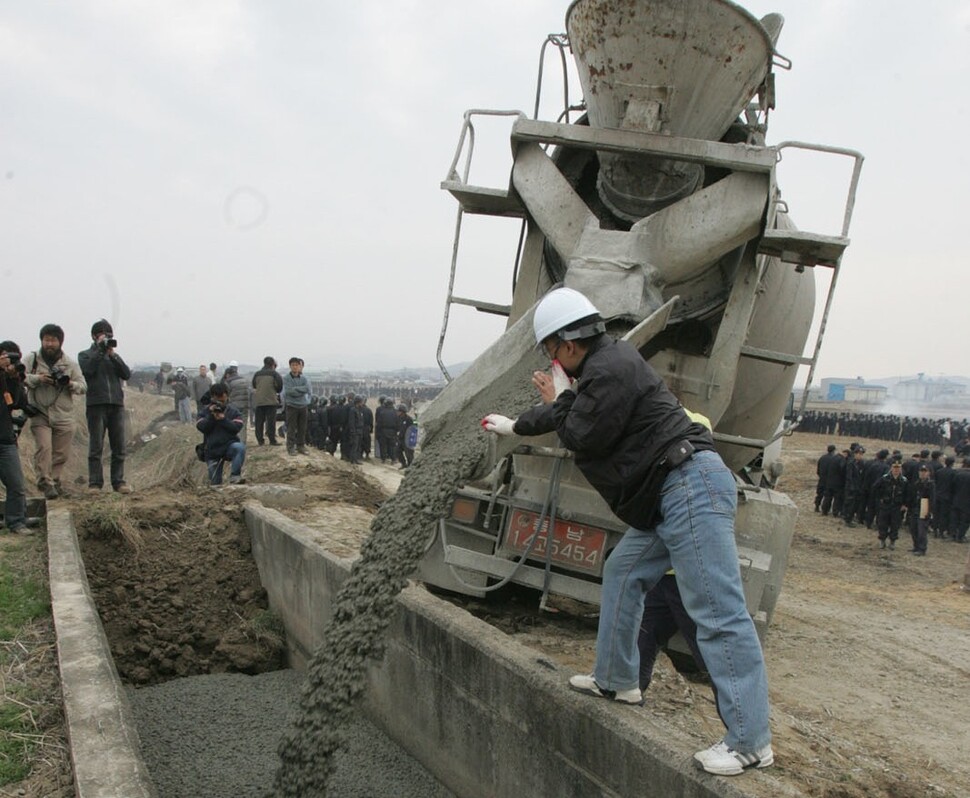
105 749
487 715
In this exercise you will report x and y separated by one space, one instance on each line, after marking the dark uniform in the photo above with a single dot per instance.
854 502
890 492
834 491
960 509
821 471
944 498
924 497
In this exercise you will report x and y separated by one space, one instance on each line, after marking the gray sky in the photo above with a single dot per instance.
225 180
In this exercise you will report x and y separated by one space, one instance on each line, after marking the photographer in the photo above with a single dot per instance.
14 400
104 370
53 380
220 423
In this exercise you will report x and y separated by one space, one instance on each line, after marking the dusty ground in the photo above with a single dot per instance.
867 656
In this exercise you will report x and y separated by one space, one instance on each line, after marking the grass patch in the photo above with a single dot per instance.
264 629
27 702
110 518
16 743
21 600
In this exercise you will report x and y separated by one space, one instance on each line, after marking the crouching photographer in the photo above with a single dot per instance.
220 424
12 419
53 380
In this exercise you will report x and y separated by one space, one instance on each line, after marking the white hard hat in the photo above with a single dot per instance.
234 364
560 308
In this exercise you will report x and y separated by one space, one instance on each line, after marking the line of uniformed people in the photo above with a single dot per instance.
887 427
347 423
925 491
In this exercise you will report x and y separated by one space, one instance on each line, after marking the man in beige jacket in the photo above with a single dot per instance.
53 380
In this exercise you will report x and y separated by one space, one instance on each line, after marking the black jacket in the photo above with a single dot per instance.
104 376
854 476
944 483
835 474
891 492
961 489
620 419
18 398
219 433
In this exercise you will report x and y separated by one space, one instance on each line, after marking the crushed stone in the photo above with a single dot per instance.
216 736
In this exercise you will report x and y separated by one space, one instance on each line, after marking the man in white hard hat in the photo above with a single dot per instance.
659 472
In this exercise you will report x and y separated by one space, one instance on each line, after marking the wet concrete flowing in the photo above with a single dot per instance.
336 676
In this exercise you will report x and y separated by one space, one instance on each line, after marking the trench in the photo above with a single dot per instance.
209 698
483 714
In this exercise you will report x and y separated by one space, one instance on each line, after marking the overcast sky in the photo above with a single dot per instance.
225 180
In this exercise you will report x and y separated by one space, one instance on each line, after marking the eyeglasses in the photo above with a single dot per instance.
555 352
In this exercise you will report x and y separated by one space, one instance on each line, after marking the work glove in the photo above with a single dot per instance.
560 380
500 425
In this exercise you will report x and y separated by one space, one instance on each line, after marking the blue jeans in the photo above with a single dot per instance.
696 538
236 455
185 410
12 477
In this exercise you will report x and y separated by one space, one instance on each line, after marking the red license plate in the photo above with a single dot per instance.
576 545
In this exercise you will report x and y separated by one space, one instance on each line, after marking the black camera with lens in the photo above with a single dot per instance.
217 407
107 343
60 376
13 357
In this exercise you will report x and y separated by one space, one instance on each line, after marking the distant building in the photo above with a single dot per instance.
866 394
833 388
925 390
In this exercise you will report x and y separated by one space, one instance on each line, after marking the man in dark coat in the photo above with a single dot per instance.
854 503
834 491
105 371
890 492
821 471
960 512
944 498
220 423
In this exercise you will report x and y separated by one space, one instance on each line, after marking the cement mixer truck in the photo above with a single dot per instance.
660 204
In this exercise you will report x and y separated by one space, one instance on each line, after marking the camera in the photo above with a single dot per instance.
107 343
18 418
217 407
13 357
60 376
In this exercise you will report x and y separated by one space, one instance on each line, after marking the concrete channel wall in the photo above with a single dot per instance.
102 735
486 715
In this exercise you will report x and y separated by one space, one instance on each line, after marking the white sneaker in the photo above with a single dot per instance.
724 761
587 684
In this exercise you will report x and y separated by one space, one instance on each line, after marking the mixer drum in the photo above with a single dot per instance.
678 67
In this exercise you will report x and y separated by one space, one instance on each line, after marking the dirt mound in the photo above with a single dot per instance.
176 588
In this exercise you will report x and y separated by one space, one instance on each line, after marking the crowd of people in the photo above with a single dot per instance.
231 404
940 432
39 391
284 406
925 493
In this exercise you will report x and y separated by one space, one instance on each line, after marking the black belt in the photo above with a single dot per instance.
676 455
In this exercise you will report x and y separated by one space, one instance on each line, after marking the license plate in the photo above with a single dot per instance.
578 546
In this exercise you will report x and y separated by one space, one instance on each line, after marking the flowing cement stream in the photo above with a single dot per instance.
336 675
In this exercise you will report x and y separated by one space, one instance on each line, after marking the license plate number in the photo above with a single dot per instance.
576 545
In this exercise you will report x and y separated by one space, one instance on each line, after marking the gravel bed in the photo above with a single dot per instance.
217 735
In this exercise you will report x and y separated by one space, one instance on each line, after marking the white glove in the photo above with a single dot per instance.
500 425
560 379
